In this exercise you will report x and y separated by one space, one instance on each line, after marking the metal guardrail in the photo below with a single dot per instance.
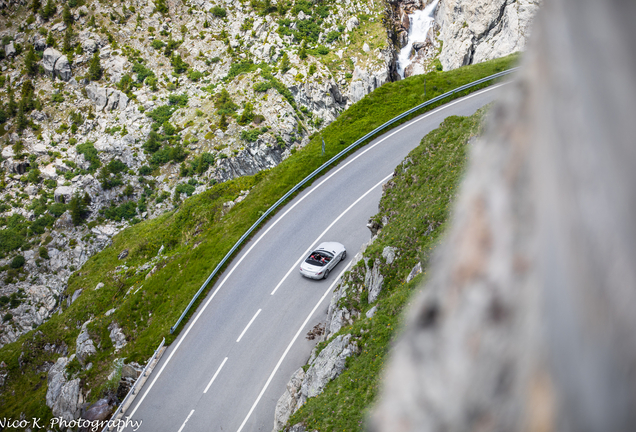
321 168
134 387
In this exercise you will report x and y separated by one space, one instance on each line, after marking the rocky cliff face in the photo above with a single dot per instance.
475 31
121 107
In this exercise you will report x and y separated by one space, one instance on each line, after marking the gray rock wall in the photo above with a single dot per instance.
527 321
476 31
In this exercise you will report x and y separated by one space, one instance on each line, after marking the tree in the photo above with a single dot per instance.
284 64
161 6
302 53
12 106
35 6
223 123
95 68
247 115
50 40
21 121
67 47
67 16
48 11
78 209
30 62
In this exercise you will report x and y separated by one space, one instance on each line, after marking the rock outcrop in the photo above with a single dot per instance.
63 396
472 32
323 368
56 64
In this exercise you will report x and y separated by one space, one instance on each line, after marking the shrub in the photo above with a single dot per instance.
332 36
262 87
142 72
95 68
179 100
127 210
247 115
157 44
17 262
219 12
44 252
90 154
145 170
161 6
323 50
184 188
224 103
194 75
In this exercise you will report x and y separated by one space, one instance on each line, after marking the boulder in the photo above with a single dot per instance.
373 280
117 336
56 380
84 345
352 23
49 58
63 194
100 410
416 270
288 402
68 404
63 68
388 253
98 95
326 366
49 172
9 49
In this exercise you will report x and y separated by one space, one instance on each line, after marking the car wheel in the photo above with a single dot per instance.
326 274
344 255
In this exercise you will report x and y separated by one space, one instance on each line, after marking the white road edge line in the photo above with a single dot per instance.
269 380
248 325
327 229
186 420
215 375
215 292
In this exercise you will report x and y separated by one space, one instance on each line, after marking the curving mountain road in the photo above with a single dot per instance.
227 369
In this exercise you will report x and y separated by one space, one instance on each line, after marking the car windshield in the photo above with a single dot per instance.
319 258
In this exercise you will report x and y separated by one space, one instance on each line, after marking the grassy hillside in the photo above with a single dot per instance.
417 202
195 236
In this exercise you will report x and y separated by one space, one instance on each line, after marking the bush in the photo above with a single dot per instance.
184 188
250 135
247 115
219 12
157 44
145 170
142 71
194 75
44 252
332 36
17 262
262 87
179 100
162 114
127 210
323 50
90 154
161 6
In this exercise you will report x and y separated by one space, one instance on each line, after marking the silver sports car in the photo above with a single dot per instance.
322 260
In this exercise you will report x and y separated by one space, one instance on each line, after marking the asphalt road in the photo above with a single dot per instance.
230 364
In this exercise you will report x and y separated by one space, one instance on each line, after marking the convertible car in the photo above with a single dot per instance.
322 260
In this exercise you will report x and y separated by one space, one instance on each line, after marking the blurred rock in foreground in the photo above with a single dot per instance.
528 321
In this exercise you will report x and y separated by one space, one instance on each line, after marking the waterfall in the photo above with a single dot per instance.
420 23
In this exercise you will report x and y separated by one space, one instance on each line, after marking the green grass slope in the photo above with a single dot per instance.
417 203
195 237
